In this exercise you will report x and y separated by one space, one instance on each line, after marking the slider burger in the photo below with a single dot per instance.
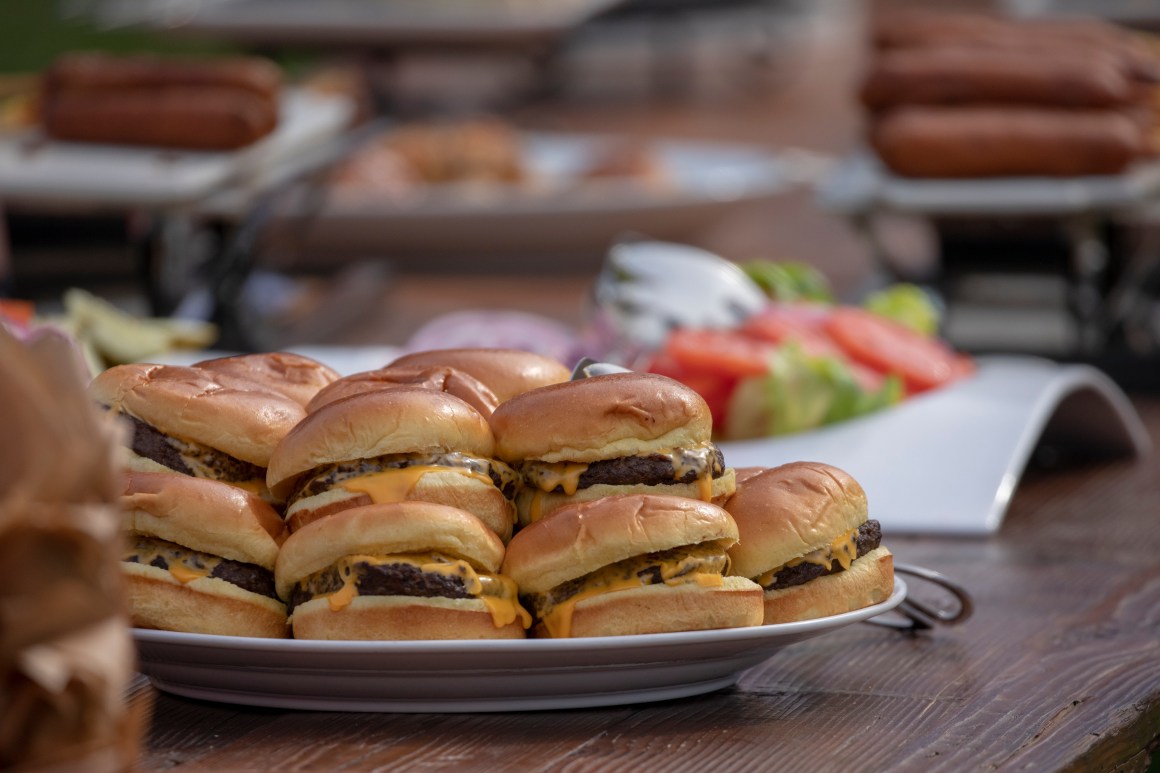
392 445
506 372
293 375
200 556
806 540
631 564
616 434
442 379
198 423
408 570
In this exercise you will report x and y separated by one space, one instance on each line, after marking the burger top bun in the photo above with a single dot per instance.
507 372
442 379
388 421
604 417
202 515
388 529
293 375
785 512
580 538
231 414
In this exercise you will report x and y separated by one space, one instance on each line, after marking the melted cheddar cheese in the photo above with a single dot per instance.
183 564
843 549
498 593
395 485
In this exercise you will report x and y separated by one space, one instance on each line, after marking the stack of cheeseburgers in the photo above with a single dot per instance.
472 493
959 95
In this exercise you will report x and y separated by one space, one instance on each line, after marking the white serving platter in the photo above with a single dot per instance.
470 676
948 461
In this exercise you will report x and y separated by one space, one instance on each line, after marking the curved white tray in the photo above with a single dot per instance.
948 461
469 676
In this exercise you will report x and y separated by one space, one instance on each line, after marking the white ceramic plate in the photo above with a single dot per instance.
559 213
469 676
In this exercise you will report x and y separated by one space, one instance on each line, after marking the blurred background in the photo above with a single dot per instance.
430 158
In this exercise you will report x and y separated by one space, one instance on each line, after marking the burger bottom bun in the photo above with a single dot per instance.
664 609
205 605
527 501
398 618
483 500
868 581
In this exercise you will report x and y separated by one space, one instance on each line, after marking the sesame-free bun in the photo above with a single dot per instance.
582 537
401 527
203 515
233 415
785 512
603 417
868 581
442 379
507 372
400 618
293 375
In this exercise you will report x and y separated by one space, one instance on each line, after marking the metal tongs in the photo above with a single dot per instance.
912 615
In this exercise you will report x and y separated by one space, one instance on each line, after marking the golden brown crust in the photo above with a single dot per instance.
442 379
206 605
202 515
580 538
388 421
398 618
868 581
379 530
662 609
236 416
788 511
623 414
507 372
298 377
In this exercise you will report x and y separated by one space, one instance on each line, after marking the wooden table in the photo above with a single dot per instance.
1059 668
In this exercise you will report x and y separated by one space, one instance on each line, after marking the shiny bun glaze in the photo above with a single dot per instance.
506 372
293 375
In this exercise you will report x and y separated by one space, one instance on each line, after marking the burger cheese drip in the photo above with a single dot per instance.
843 550
390 478
191 458
424 575
186 565
704 565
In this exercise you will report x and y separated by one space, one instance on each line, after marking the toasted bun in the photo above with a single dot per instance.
292 375
451 488
868 581
385 618
663 609
454 382
507 372
388 421
402 527
582 537
785 512
531 503
604 417
233 415
202 515
206 605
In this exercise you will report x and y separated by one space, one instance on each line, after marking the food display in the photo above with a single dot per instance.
805 536
204 104
293 375
961 95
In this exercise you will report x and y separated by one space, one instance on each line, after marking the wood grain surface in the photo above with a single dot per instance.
1059 669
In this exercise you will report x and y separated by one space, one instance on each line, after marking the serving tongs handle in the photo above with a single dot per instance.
917 616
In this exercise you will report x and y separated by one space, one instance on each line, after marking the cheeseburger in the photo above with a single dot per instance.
292 375
408 570
198 423
806 540
392 445
617 434
454 382
631 564
506 372
200 557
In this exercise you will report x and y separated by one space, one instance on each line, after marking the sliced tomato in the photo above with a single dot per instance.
723 352
886 346
20 312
